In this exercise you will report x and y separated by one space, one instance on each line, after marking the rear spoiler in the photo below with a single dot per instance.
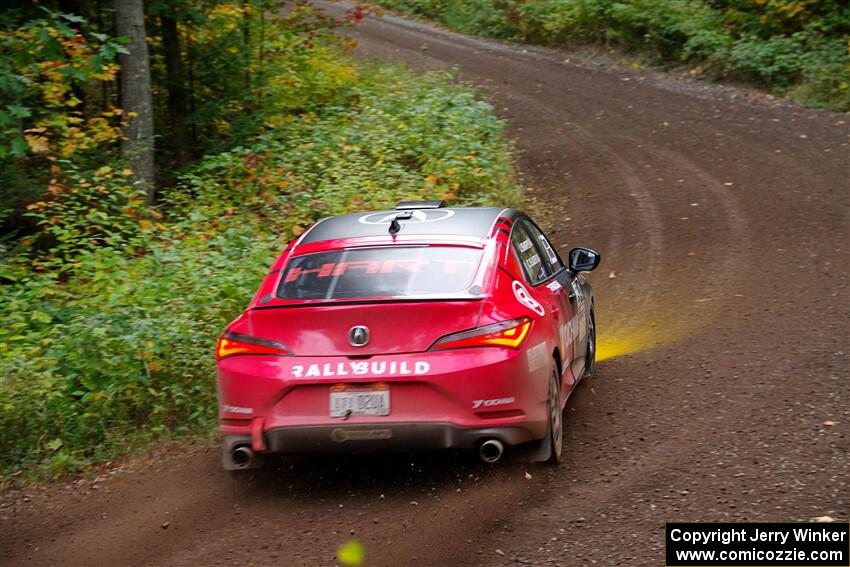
413 205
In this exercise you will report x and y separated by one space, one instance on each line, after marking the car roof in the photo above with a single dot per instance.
437 221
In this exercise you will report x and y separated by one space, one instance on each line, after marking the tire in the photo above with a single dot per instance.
555 427
590 355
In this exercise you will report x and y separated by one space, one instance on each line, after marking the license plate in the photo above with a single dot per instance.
347 402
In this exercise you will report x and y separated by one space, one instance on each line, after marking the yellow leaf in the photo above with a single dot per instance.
37 144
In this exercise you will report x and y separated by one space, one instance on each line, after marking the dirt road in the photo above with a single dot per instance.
723 303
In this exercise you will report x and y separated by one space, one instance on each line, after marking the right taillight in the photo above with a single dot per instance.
508 334
231 344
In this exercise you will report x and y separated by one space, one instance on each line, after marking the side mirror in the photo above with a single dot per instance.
583 259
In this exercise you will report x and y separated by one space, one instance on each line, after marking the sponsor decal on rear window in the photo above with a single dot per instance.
380 272
548 248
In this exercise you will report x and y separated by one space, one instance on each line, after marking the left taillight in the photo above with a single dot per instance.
231 344
508 334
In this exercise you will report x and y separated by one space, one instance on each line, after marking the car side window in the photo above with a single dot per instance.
547 252
535 268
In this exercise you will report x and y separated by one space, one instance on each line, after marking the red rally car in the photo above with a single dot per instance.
425 327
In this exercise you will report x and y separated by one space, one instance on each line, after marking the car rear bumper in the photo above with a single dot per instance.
272 404
384 437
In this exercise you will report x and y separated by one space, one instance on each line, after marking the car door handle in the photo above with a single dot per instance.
556 311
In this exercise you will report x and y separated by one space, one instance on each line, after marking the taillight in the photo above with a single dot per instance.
236 343
508 334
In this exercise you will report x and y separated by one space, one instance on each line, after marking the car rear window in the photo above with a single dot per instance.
380 272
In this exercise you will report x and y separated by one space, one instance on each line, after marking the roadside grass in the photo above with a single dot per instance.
107 337
789 48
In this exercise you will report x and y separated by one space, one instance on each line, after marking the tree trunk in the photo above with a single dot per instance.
190 63
246 40
178 106
136 97
72 7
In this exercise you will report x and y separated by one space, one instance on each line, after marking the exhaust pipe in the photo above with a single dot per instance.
241 457
491 451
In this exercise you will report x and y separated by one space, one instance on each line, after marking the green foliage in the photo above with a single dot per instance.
87 210
486 16
251 63
119 351
107 334
794 47
826 76
555 22
399 137
50 69
778 61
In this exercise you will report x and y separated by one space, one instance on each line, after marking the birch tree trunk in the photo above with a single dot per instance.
136 97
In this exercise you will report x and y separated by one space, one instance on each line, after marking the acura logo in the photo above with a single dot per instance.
358 336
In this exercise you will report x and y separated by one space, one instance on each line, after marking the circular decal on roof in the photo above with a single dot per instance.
417 217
